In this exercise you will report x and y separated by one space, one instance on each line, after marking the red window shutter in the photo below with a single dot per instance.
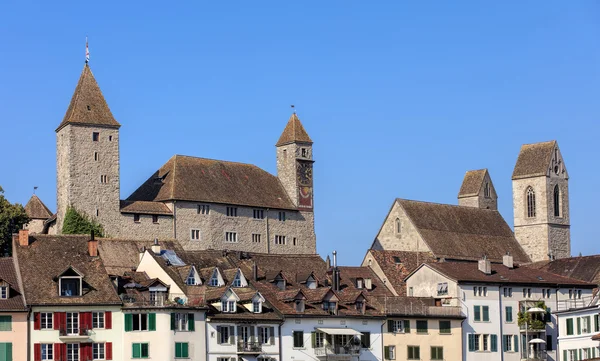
58 351
57 320
86 351
63 324
64 345
108 351
85 320
37 352
37 321
108 320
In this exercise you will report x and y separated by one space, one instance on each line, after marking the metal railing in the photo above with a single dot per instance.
337 350
569 304
534 327
170 300
81 331
249 346
535 355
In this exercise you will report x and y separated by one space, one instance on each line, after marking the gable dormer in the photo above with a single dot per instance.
280 281
361 303
330 302
216 279
193 278
4 290
300 302
229 301
159 293
311 282
70 283
239 280
257 303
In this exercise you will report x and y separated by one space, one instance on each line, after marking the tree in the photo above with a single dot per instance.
12 218
78 223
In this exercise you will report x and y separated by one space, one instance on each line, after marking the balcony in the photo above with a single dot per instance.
249 347
74 334
535 326
350 350
536 355
160 300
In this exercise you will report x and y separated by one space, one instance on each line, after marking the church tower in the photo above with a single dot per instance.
477 190
541 202
87 156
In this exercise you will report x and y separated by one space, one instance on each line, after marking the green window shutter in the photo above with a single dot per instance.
597 323
486 313
548 314
477 313
313 339
177 349
386 352
5 323
445 327
569 326
509 315
417 352
516 343
191 324
471 342
390 324
136 350
6 351
172 321
406 326
580 357
128 322
9 351
494 343
578 326
565 355
184 350
152 322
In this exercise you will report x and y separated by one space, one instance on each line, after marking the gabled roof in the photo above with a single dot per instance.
36 209
534 159
464 233
293 133
9 274
471 184
584 268
145 207
120 255
88 106
394 271
194 179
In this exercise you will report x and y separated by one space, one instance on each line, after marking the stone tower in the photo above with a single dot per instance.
541 202
477 190
87 156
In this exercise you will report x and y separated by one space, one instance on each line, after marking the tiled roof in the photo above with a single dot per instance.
464 233
472 183
417 307
36 209
88 106
206 180
534 159
145 207
584 268
8 273
48 256
291 265
120 256
294 132
469 272
396 265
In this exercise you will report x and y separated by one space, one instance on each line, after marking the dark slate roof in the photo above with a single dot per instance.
469 272
534 159
36 209
88 94
8 274
47 257
395 272
206 180
121 256
293 266
584 268
294 132
472 183
465 233
145 207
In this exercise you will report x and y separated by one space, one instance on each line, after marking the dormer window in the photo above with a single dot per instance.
256 306
359 283
70 286
299 305
368 283
216 280
280 283
193 278
4 292
311 283
330 307
239 280
228 306
360 306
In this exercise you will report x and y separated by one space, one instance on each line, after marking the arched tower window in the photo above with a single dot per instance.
398 226
530 202
556 201
486 190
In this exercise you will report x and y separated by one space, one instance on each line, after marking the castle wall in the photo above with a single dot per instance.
286 170
35 226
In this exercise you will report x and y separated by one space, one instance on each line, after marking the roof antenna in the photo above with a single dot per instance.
293 108
87 51
34 189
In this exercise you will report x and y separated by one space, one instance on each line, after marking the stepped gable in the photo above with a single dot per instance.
192 179
463 233
396 265
533 159
36 209
121 256
472 183
47 257
9 274
584 268
294 132
88 106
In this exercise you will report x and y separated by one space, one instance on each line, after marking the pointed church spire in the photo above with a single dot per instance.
294 132
88 106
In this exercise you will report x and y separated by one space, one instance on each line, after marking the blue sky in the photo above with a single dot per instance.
400 98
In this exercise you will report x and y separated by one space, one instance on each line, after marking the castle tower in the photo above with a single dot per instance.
87 156
477 190
541 202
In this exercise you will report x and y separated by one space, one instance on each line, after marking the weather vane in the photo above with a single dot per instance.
293 108
34 189
87 51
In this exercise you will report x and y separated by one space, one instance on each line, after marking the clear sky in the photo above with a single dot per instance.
400 98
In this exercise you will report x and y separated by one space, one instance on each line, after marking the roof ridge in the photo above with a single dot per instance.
446 204
217 160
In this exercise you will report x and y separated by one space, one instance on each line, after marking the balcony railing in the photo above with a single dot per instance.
249 347
170 300
74 332
564 305
337 350
533 327
535 355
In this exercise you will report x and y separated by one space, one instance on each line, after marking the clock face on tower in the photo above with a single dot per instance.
304 173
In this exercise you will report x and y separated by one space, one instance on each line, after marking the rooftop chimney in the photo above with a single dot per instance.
156 247
507 260
24 237
142 251
485 266
254 271
328 260
336 273
93 246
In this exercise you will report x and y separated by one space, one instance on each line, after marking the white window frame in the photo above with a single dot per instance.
49 321
258 214
319 339
72 326
392 352
73 351
231 211
256 306
203 209
47 351
231 237
140 316
99 351
281 216
69 277
181 321
195 234
99 319
4 292
280 240
255 237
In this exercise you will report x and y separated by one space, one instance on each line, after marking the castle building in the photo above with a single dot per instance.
202 203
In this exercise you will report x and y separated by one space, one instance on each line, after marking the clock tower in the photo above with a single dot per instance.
295 164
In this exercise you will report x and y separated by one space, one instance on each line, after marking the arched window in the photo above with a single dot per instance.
486 190
530 202
398 226
556 201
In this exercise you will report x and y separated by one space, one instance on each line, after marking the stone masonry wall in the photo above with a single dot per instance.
145 229
35 225
286 170
534 240
408 239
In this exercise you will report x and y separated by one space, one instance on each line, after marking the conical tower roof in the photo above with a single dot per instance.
293 133
36 209
88 106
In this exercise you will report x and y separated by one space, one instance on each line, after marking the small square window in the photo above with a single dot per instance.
95 136
136 218
281 216
203 208
255 238
231 211
195 234
154 218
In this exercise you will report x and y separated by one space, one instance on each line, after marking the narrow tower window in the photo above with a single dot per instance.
556 201
530 203
96 156
486 190
95 136
398 226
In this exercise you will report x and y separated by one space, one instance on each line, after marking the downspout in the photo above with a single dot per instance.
280 345
29 323
555 325
500 343
207 355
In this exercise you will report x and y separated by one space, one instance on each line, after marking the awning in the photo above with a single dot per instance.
339 331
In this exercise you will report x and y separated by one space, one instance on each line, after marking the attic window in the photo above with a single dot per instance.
304 153
368 284
154 218
203 208
486 190
239 280
256 306
330 307
299 305
360 283
4 292
360 306
442 289
280 282
95 136
311 283
228 306
215 279
191 278
70 286
136 218
89 108
397 260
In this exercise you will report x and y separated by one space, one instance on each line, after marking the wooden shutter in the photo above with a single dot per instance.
386 352
486 313
471 342
390 325
184 350
569 326
56 321
313 339
37 352
173 321
218 335
152 322
578 326
516 343
231 335
565 355
37 321
108 320
136 350
494 343
406 326
476 313
191 324
509 314
86 351
85 320
365 340
57 352
128 322
108 351
271 335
